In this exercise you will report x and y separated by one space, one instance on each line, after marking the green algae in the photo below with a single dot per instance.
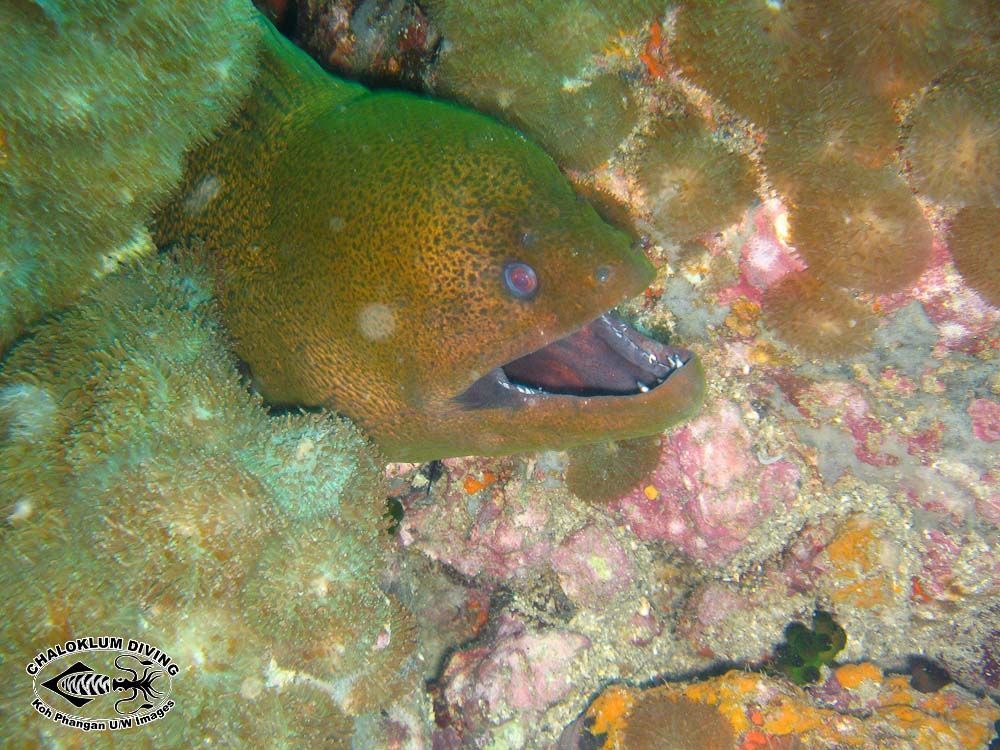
807 649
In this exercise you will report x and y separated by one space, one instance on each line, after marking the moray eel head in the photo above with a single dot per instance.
528 354
424 270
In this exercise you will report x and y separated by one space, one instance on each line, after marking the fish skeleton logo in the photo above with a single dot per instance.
137 675
79 684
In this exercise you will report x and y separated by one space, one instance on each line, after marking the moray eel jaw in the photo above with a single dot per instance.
605 381
606 358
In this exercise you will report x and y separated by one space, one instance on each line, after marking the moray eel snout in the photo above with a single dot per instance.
422 269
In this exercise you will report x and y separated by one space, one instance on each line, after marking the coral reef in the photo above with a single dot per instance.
845 460
954 142
893 46
753 54
693 182
532 64
689 725
870 235
606 471
835 128
101 101
382 43
711 459
856 706
974 241
817 318
146 492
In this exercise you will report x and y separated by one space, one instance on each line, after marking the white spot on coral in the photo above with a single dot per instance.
21 511
202 194
139 245
28 411
304 448
276 677
223 69
336 223
376 321
320 586
251 688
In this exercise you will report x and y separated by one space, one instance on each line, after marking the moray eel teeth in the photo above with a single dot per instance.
605 358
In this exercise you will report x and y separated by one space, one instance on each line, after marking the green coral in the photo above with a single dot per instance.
807 649
101 100
532 63
146 492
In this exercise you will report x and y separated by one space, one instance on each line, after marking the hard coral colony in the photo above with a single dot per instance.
813 187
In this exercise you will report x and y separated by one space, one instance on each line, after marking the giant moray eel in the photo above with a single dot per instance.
422 269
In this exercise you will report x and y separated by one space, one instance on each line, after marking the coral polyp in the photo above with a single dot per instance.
892 46
693 183
657 716
817 318
74 199
340 627
141 474
835 127
954 142
754 55
606 471
544 80
974 241
860 229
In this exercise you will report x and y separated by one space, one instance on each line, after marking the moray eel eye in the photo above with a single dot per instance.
520 280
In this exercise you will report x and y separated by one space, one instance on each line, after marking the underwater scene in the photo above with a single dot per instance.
553 374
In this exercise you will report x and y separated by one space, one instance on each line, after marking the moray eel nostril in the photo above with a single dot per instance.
422 269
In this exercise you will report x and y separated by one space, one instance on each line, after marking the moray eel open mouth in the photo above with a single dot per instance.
607 357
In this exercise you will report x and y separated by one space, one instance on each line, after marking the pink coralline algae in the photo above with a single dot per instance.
500 532
521 672
765 257
710 489
965 321
494 530
591 566
985 415
846 404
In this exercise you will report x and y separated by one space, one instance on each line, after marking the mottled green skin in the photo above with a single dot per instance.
358 241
